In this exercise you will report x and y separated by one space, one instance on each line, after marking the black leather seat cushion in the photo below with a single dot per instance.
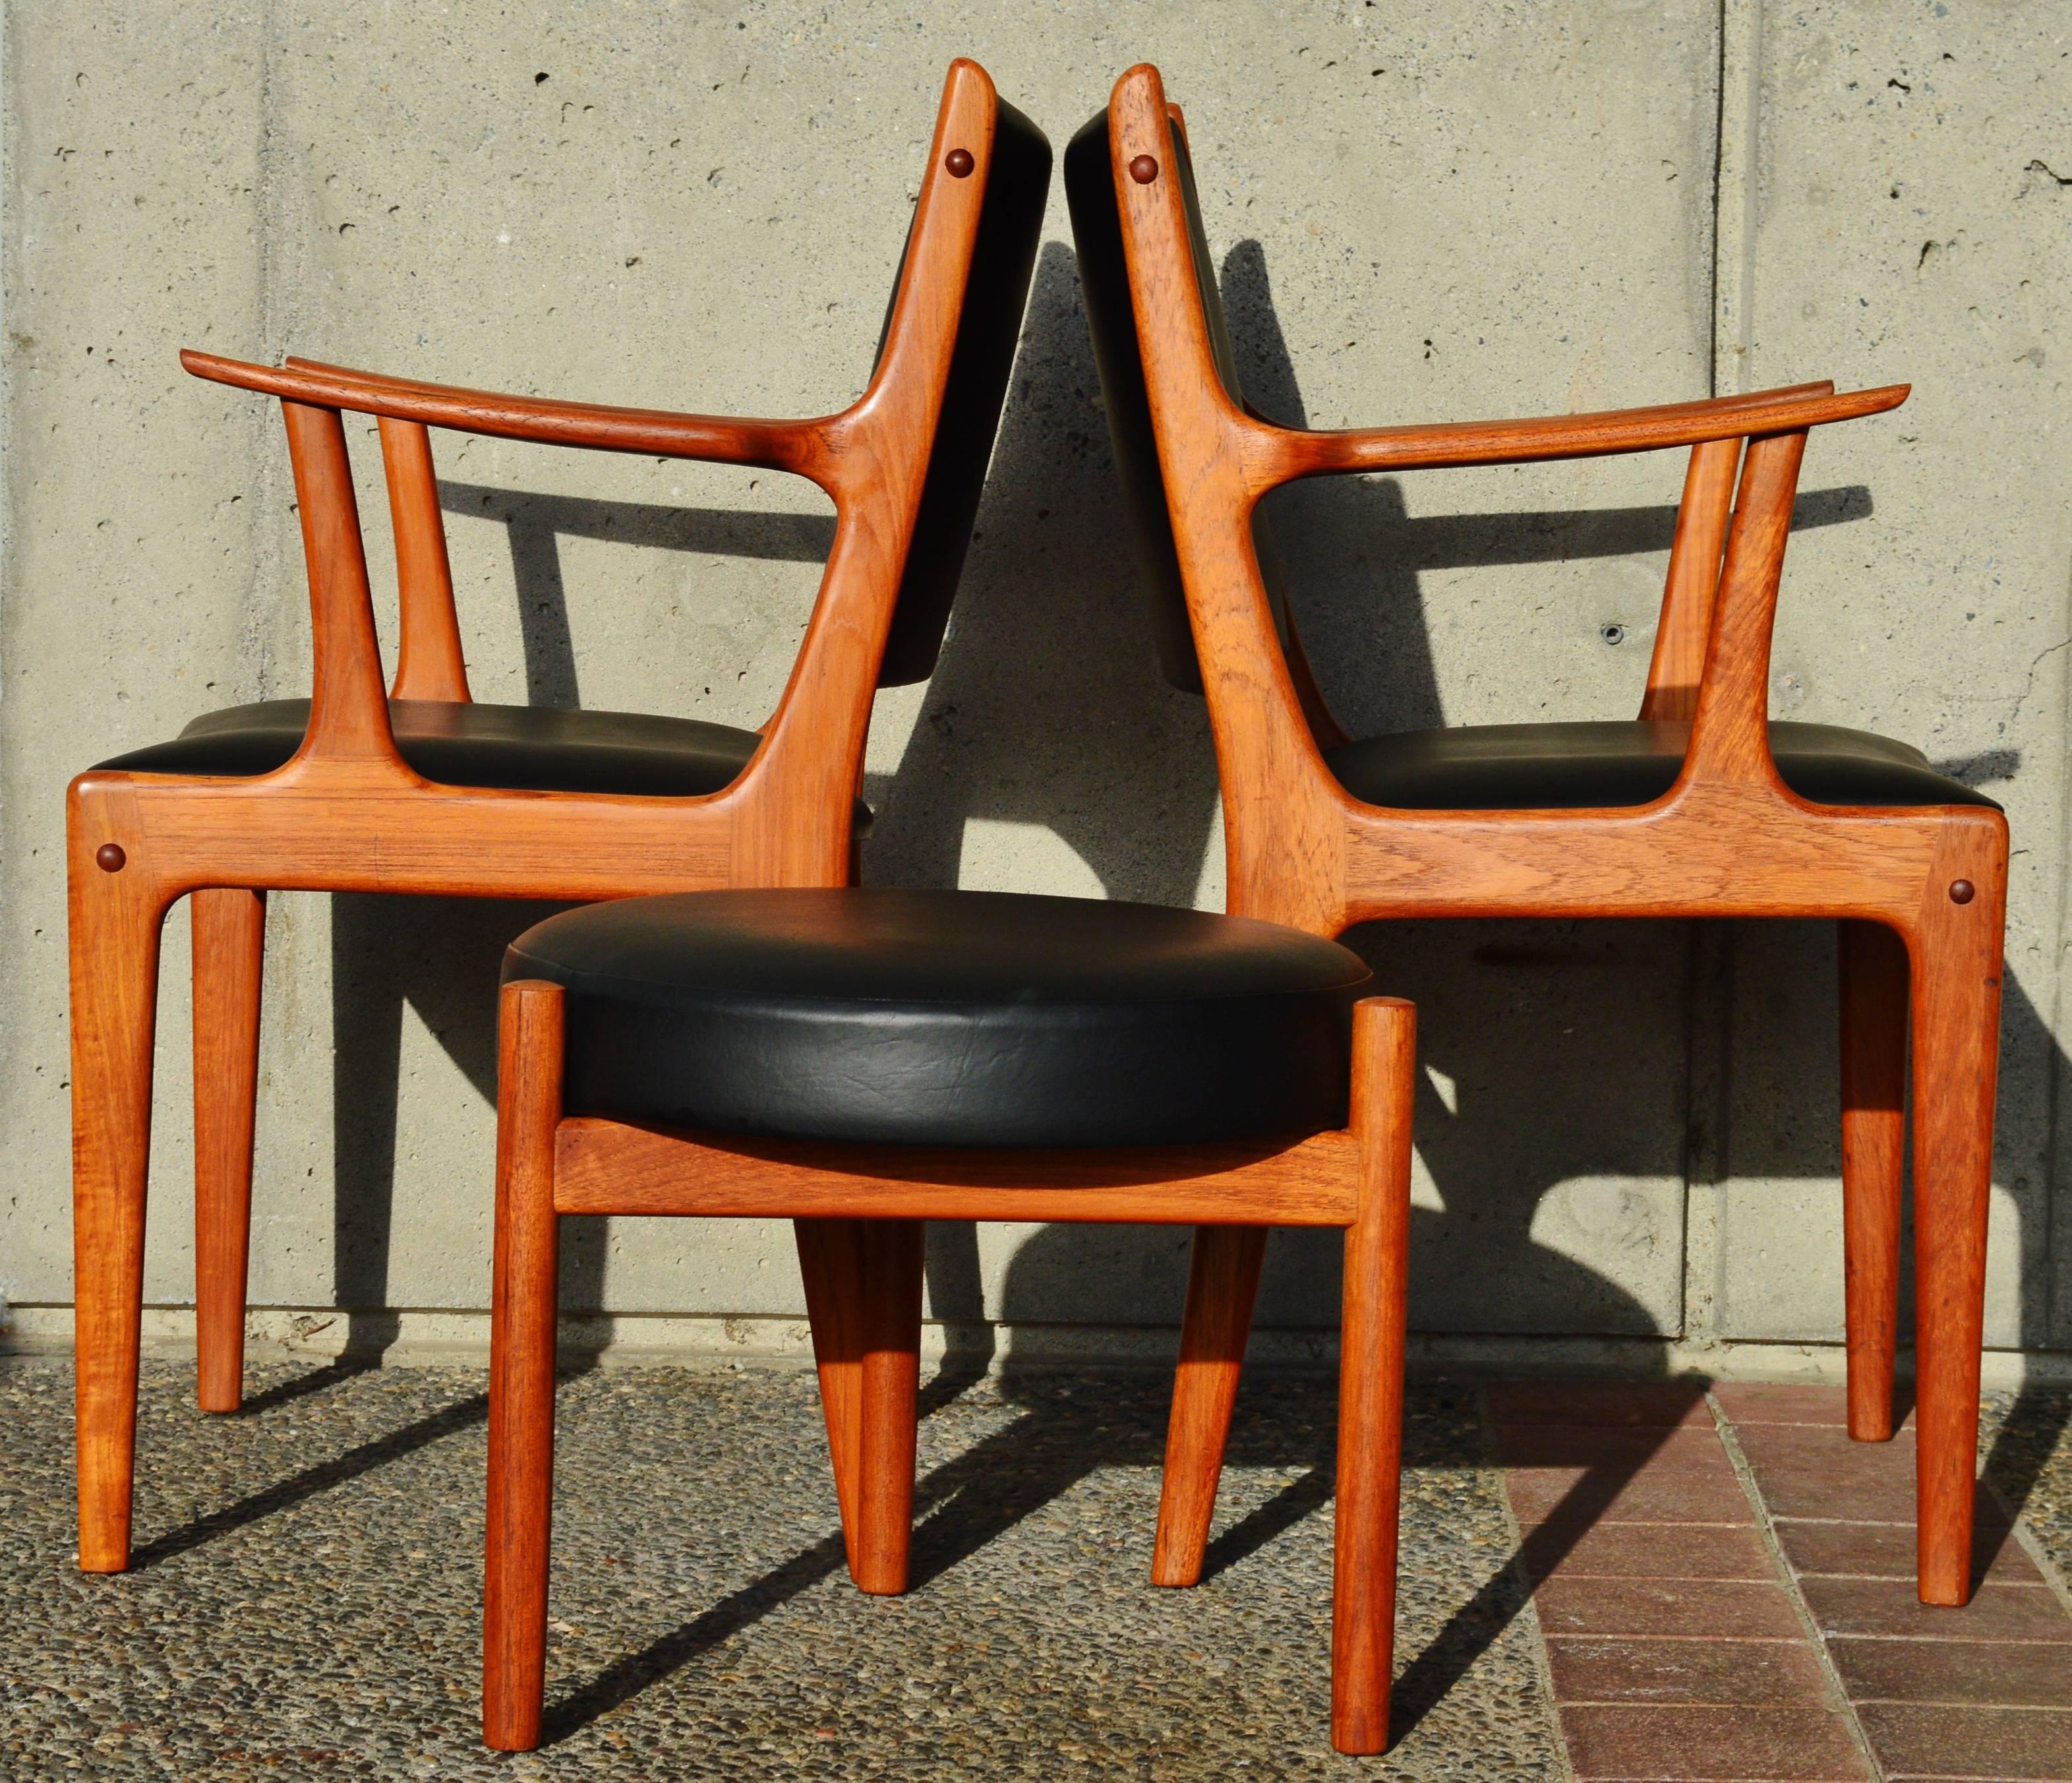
948 1018
459 744
1546 767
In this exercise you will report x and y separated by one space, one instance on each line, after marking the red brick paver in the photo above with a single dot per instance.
1595 1405
1984 1691
1928 1740
1675 1647
1888 1551
1677 1634
1771 1743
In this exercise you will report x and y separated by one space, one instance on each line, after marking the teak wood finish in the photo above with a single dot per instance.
877 1197
347 814
1919 892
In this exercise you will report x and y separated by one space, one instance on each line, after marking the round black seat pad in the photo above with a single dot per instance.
948 1018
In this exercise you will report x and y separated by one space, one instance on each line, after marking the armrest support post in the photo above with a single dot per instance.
429 663
1730 730
348 712
1686 625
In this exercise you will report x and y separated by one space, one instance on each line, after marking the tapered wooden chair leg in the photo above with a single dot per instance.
1222 1284
113 945
1370 1378
830 1265
1956 1050
521 1365
1872 960
890 1381
229 953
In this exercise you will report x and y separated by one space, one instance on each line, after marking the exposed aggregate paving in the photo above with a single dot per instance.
307 1598
2025 1449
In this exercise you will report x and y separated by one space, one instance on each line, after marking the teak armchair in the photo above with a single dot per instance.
422 791
1703 808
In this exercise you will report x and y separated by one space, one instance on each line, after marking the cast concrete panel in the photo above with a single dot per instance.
1908 227
142 552
1419 213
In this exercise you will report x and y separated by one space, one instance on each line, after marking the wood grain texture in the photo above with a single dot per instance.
347 814
890 1380
1728 839
114 1002
430 655
430 662
229 957
612 1166
1222 1287
530 1025
806 448
1371 1358
1275 455
830 1270
349 711
1953 953
1871 962
1685 627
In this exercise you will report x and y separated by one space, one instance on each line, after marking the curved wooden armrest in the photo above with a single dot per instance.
1275 456
800 446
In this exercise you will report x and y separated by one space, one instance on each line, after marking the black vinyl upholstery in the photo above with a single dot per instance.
948 1018
1550 766
460 744
995 295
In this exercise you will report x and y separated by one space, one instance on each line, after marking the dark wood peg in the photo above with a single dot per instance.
1962 891
1143 169
109 858
959 162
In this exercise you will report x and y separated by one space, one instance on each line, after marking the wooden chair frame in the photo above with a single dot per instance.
1920 893
547 1165
348 814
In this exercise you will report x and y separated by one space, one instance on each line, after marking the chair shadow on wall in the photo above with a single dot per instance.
1046 710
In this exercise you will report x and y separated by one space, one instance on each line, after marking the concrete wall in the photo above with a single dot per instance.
1421 211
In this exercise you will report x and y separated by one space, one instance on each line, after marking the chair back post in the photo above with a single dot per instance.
1285 819
349 711
792 823
429 661
1730 729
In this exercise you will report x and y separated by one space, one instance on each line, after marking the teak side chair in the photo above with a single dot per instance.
423 791
1704 808
889 1057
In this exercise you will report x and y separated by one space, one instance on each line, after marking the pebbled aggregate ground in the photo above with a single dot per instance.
306 1598
2025 1453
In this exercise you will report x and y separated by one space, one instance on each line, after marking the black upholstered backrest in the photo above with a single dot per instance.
1104 278
995 293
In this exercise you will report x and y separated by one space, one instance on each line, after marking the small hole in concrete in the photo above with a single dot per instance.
1612 634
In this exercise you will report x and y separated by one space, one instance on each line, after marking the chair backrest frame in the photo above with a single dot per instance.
1185 432
904 466
1303 851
